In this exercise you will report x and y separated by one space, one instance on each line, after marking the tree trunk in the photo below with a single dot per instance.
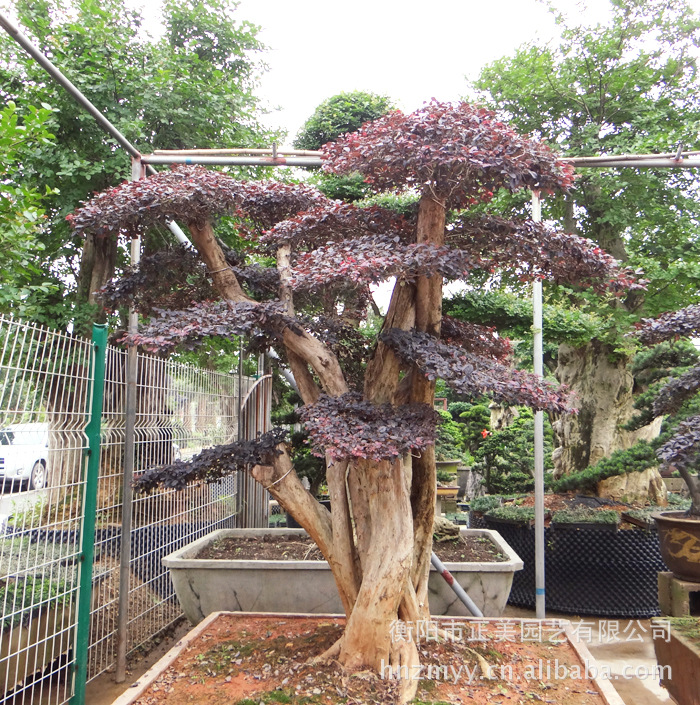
378 537
97 264
602 391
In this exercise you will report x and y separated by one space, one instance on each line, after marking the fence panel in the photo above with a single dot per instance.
44 400
181 409
44 396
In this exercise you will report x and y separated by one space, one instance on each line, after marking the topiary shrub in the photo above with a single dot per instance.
506 457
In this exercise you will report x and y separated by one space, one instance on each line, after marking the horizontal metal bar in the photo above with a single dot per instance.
654 163
230 161
233 151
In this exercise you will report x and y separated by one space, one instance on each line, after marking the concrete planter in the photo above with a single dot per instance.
205 586
27 649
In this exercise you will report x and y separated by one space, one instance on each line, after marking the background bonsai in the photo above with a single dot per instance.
682 450
368 409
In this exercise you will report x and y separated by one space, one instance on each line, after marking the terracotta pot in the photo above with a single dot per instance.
679 542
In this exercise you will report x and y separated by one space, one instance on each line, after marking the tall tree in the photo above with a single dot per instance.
21 210
192 87
627 87
339 114
369 410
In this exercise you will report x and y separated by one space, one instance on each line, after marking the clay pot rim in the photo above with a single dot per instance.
675 516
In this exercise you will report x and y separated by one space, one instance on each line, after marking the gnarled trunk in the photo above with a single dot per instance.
378 538
602 387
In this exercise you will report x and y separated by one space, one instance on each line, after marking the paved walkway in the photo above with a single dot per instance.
622 645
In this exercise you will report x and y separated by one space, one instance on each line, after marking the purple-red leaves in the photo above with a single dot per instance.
476 339
219 319
674 324
191 195
348 427
474 375
535 250
213 463
374 259
335 222
460 153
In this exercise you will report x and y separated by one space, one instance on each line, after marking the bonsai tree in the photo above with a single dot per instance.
682 450
367 408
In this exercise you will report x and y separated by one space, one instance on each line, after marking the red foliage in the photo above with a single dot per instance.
212 319
458 152
535 250
474 375
476 339
335 222
670 325
348 427
191 194
374 259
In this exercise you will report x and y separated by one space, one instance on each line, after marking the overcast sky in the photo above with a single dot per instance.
410 50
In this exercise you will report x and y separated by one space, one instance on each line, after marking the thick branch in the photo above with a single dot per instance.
223 277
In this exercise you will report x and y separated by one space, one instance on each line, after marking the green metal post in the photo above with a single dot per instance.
82 638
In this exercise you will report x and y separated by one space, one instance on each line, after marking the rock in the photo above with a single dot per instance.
644 486
444 529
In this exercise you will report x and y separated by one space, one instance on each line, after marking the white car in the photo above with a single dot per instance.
24 450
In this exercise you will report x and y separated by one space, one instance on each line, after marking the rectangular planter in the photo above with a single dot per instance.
162 674
204 586
682 657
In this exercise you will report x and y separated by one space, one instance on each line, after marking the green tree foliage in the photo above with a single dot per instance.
506 459
629 87
21 209
345 112
192 87
511 315
342 113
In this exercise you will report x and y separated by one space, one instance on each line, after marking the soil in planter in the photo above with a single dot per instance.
300 548
689 627
243 660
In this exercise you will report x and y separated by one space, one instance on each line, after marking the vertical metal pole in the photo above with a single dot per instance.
87 534
539 434
241 477
137 172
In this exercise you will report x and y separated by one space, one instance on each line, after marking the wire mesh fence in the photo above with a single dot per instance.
44 396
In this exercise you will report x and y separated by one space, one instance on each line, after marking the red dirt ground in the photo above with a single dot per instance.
243 660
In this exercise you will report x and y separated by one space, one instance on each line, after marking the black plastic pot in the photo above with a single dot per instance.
588 571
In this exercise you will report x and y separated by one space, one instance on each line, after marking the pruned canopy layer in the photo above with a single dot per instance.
461 153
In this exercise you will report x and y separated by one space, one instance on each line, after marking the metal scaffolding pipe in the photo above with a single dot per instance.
137 172
456 587
233 151
633 163
231 161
